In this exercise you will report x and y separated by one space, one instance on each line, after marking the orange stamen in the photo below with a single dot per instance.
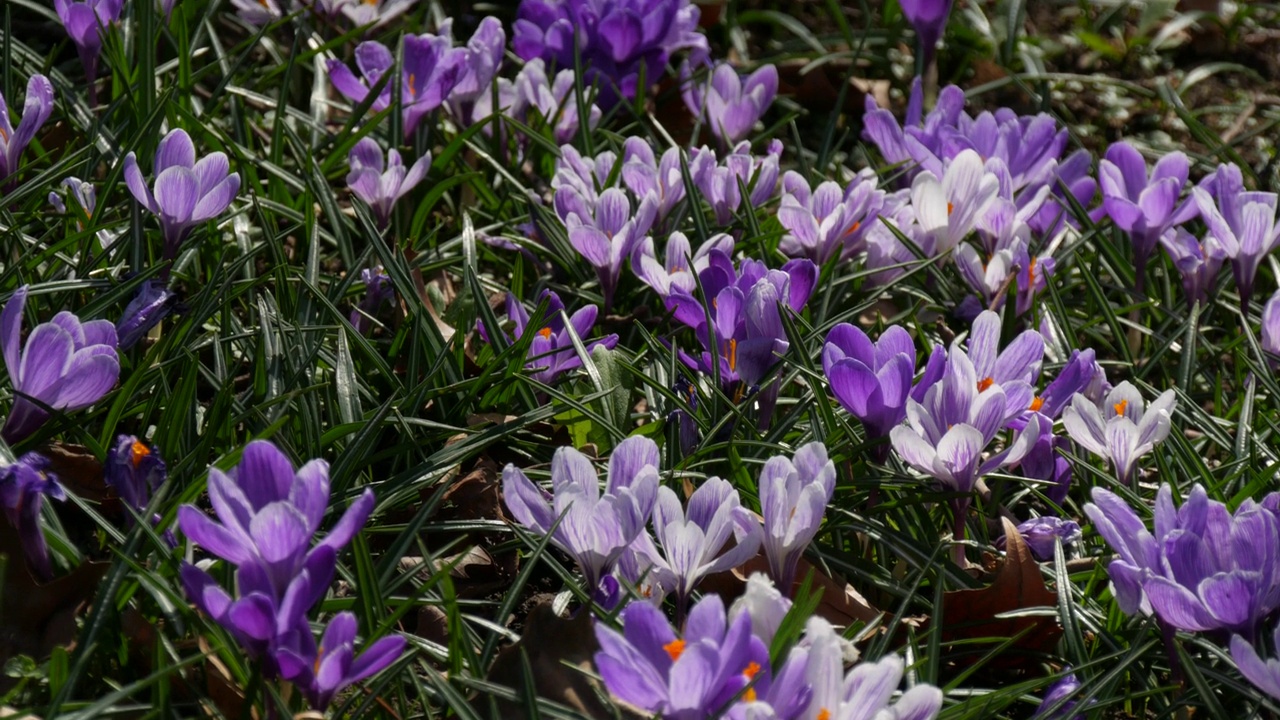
733 355
824 714
752 669
1120 406
985 383
855 227
545 332
138 451
674 648
1031 273
1037 404
412 91
950 208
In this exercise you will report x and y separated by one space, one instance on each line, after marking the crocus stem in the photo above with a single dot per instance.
961 509
1169 635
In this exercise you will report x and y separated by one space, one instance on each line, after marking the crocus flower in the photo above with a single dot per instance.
1142 206
135 470
827 222
721 184
793 499
1065 687
335 664
1264 674
66 365
693 541
258 12
948 209
551 351
187 192
1042 533
152 304
692 675
84 22
586 177
871 380
1202 569
432 68
86 197
268 514
1124 429
595 529
553 99
380 185
868 687
764 603
1019 362
732 104
929 18
484 59
679 269
377 291
615 42
36 108
376 13
1197 262
24 483
1243 223
644 174
606 232
1271 325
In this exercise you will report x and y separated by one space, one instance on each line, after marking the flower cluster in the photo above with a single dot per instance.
268 514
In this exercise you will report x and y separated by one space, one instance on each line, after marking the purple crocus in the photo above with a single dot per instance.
1202 569
268 514
595 529
865 691
376 13
552 98
1063 688
615 42
432 68
1243 223
86 199
687 676
484 58
258 12
644 175
24 483
948 209
153 303
729 103
1142 206
377 292
607 231
680 267
1197 262
135 470
551 352
1271 325
324 672
929 18
1041 534
36 108
1124 429
827 222
187 192
693 540
84 21
721 183
793 499
380 185
871 380
1264 674
66 365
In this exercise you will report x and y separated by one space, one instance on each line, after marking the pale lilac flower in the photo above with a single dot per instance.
1243 223
616 42
551 352
871 380
886 254
483 61
86 197
866 690
1264 674
948 209
153 303
187 192
431 69
380 185
607 231
929 18
1142 206
764 604
66 365
84 21
643 174
36 108
1124 429
258 12
375 13
586 177
693 541
827 222
678 271
1042 533
692 675
595 529
1018 363
1197 262
24 482
1271 325
553 100
793 499
730 104
721 183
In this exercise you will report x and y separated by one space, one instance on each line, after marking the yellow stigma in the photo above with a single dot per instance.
1037 403
412 91
733 355
545 332
1120 406
674 648
749 673
985 383
823 714
950 208
138 452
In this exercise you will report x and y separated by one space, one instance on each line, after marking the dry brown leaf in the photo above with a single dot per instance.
224 692
560 655
971 614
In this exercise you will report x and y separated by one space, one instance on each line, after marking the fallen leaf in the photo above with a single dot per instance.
560 655
1018 585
